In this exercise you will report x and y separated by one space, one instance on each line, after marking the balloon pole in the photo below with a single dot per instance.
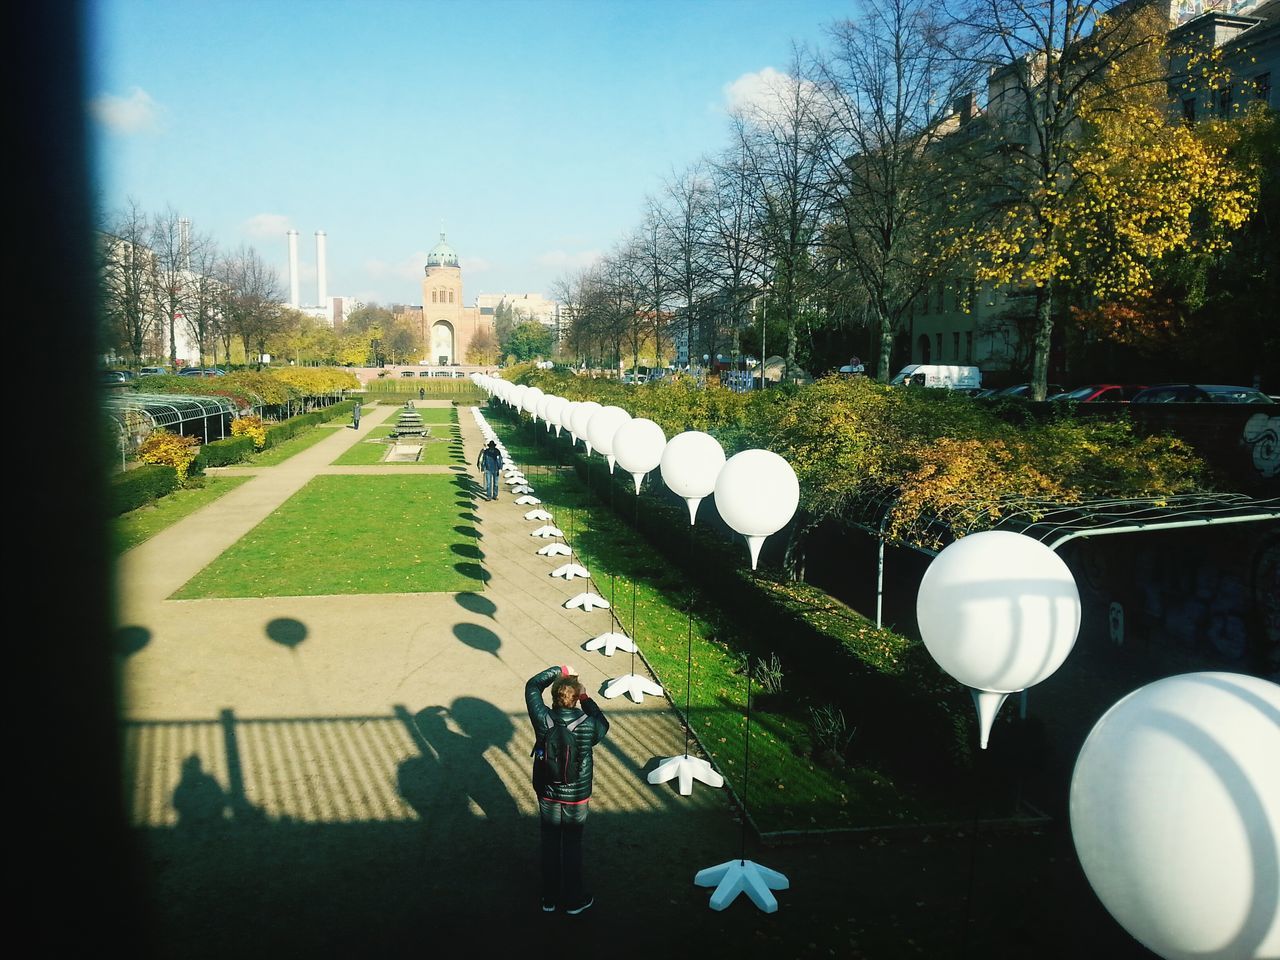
746 769
688 658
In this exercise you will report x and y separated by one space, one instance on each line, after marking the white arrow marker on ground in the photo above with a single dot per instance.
742 876
523 488
547 531
555 550
526 500
611 642
684 770
587 602
570 570
634 686
538 515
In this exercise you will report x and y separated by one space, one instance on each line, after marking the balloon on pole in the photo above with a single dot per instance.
604 423
690 463
581 417
757 494
638 446
999 612
1175 815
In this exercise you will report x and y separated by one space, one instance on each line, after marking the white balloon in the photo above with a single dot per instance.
999 612
637 446
540 408
566 416
757 494
581 417
529 403
1175 815
555 409
690 463
604 423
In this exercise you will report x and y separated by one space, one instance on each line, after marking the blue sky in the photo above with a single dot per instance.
533 130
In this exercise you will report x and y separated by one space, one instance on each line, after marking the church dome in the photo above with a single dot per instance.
442 255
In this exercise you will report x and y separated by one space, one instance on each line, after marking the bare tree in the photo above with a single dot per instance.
253 300
169 239
892 91
203 295
785 140
685 221
128 278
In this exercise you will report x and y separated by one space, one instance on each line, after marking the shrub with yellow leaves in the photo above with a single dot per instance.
171 449
250 426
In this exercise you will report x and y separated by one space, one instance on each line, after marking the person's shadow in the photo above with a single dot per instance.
202 805
451 776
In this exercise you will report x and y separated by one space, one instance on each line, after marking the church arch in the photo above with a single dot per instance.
443 343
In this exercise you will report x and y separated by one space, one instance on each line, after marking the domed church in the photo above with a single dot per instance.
448 326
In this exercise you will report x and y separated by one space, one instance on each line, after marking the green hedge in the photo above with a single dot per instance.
134 488
219 453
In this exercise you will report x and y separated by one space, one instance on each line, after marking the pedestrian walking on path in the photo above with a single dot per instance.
562 769
490 462
355 416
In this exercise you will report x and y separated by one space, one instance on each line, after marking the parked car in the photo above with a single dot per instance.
153 371
116 376
1101 393
1023 391
1200 393
201 372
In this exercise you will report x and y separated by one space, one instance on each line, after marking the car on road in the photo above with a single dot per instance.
1200 393
1101 393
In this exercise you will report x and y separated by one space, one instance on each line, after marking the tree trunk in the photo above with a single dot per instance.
1044 334
884 330
793 561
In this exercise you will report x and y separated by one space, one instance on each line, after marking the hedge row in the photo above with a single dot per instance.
285 429
219 453
134 488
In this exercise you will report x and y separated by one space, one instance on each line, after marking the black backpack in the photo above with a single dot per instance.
556 757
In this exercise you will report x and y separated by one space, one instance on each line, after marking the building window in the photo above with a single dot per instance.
1262 87
968 347
1224 101
939 338
451 296
924 306
1189 109
942 287
924 348
433 296
955 346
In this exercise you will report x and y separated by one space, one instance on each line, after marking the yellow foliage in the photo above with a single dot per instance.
170 449
250 426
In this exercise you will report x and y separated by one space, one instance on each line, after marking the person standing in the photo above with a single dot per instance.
490 464
355 415
562 773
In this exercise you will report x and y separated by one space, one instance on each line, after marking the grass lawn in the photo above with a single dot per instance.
283 451
350 534
137 526
788 789
444 448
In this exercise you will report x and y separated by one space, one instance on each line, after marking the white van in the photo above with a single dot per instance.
949 376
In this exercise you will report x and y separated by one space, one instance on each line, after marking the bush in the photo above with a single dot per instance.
142 485
252 427
219 453
171 449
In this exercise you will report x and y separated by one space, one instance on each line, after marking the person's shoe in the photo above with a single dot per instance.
582 907
548 906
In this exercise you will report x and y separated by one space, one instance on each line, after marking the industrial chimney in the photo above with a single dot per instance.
293 269
321 284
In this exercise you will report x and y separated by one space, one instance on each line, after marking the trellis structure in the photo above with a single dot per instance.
1052 523
136 411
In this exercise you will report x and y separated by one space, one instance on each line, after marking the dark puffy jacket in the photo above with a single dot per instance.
587 734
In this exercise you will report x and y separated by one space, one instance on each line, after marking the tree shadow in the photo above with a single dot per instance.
131 639
287 632
468 550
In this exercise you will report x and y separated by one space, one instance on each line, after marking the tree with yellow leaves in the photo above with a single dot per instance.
1086 185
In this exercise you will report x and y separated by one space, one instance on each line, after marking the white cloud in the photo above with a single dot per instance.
763 93
135 112
268 226
562 260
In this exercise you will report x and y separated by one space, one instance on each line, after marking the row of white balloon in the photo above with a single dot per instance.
756 491
1000 612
